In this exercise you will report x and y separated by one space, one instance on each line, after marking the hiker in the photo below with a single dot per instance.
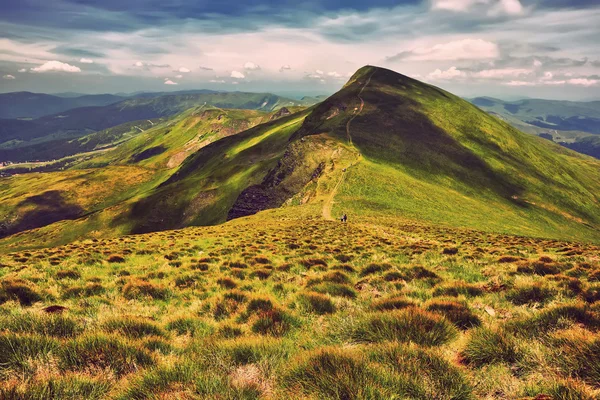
344 218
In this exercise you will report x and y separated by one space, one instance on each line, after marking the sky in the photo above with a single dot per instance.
503 48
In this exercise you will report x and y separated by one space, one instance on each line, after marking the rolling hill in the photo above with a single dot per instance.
382 147
22 141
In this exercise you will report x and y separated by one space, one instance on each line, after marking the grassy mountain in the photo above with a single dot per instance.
382 147
26 140
35 105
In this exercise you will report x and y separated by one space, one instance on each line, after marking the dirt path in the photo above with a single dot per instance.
357 112
328 205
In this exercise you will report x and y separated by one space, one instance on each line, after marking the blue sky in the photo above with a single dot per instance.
505 48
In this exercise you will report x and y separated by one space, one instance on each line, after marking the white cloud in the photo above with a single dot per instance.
8 76
583 81
23 70
237 75
450 73
56 66
465 49
138 64
519 83
170 82
179 76
217 81
537 63
334 74
547 76
503 73
454 5
511 7
250 66
184 70
285 68
86 61
554 83
319 72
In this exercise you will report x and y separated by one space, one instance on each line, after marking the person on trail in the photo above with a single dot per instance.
344 218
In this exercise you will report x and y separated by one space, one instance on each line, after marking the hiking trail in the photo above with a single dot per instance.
328 205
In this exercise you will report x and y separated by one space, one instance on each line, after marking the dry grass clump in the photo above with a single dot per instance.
20 290
67 274
138 289
456 312
529 294
316 303
392 303
487 346
408 325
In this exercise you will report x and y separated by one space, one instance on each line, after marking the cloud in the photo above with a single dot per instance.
179 76
502 73
465 49
8 76
250 66
494 7
285 68
519 83
237 75
170 82
450 73
319 72
183 69
22 70
138 64
86 61
217 81
334 74
537 63
583 81
57 66
205 68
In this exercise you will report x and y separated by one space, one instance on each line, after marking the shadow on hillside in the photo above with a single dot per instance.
43 209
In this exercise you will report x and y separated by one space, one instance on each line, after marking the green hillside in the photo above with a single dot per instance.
384 146
51 137
99 189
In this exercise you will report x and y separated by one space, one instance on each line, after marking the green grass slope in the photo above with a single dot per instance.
98 189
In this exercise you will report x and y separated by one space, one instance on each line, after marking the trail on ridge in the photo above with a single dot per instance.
328 205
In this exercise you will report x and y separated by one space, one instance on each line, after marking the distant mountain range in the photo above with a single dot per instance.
570 123
35 105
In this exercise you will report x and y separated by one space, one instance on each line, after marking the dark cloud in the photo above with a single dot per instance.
76 52
576 4
205 68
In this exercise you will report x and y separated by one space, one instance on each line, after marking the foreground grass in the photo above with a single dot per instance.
302 309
